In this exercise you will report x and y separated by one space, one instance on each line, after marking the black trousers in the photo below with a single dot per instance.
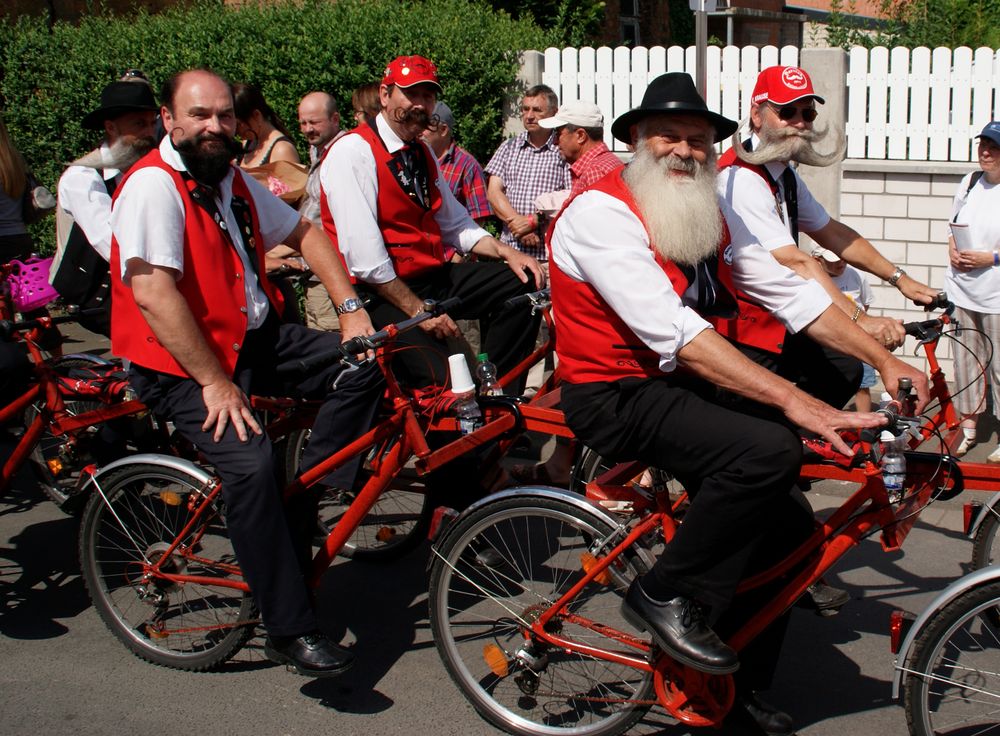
828 375
272 543
508 335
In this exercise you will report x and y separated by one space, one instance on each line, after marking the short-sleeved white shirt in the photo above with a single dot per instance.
148 222
854 284
83 195
977 290
750 196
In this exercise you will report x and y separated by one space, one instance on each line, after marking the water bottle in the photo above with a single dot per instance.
486 372
466 408
893 465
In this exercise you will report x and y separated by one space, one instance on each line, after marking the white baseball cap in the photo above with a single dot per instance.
580 114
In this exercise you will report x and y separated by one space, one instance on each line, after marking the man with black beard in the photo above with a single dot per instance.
390 212
127 115
637 262
202 329
774 202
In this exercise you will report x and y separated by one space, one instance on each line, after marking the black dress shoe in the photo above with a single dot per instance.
771 720
678 627
825 599
312 655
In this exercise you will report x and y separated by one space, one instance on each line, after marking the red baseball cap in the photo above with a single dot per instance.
783 84
406 71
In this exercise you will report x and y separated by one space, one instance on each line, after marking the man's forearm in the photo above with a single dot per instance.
810 269
854 249
502 207
834 329
397 293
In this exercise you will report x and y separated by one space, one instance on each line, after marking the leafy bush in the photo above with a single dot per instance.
913 23
51 77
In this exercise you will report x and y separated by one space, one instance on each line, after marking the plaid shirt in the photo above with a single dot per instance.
466 179
526 172
595 164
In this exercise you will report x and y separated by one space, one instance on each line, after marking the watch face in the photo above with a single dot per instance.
350 305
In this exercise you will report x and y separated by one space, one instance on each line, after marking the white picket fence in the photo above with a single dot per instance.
919 105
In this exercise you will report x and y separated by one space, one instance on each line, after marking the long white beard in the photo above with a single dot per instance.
121 155
681 212
790 144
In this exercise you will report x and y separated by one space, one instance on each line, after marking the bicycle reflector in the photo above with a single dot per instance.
899 625
496 660
55 465
385 534
587 562
170 498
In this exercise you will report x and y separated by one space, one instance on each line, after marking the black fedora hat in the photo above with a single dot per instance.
117 99
673 92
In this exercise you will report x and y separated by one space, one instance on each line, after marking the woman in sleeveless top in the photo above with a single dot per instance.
265 137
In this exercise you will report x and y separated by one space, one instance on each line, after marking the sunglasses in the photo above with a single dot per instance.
788 112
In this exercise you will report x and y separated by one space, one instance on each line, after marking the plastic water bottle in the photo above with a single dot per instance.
894 465
466 408
486 372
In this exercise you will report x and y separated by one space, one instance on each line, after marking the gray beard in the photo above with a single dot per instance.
121 156
791 144
681 214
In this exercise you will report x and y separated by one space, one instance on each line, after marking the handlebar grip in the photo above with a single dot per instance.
940 301
520 298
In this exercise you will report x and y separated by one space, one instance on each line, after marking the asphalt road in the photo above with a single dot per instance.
63 672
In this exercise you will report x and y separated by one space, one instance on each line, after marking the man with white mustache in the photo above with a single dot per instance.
768 194
637 262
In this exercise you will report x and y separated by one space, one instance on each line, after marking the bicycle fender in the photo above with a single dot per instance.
988 508
150 458
584 504
946 596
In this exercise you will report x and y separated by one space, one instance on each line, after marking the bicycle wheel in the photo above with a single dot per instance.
588 465
394 526
986 546
189 626
953 678
502 567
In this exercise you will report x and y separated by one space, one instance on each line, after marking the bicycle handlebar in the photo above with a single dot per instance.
540 298
927 329
9 327
364 343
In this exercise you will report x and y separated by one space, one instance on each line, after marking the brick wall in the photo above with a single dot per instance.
903 209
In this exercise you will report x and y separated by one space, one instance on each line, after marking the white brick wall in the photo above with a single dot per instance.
903 210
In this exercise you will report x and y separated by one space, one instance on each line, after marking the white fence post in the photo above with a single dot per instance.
828 70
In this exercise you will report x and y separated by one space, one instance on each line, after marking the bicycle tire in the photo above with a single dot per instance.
953 675
536 545
186 626
55 462
395 526
986 545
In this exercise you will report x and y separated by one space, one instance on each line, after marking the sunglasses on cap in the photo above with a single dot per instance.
788 112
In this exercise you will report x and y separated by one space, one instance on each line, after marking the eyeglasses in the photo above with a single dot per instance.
134 74
788 112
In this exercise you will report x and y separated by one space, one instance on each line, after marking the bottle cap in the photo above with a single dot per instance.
461 379
483 357
887 436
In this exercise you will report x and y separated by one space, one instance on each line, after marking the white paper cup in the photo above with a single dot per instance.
461 379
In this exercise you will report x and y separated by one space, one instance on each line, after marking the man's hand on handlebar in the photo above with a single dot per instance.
817 416
441 327
893 369
889 332
915 291
357 324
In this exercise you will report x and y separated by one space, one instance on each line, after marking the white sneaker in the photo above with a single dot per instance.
966 445
994 457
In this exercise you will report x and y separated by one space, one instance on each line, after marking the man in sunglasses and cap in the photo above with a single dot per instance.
757 180
127 119
638 260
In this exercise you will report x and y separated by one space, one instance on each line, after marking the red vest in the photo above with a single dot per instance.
594 343
212 284
409 230
754 325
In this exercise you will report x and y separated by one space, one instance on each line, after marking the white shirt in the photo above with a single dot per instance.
83 196
598 240
977 290
853 283
148 222
751 198
351 184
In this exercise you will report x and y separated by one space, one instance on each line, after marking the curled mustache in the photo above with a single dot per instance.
790 144
415 116
121 155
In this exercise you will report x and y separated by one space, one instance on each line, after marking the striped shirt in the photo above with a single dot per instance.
526 172
466 179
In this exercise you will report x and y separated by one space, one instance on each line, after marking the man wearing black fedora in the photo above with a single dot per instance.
638 262
127 118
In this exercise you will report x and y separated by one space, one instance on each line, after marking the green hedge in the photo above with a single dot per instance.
51 77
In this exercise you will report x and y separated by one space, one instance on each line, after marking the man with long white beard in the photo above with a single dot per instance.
127 116
637 261
774 202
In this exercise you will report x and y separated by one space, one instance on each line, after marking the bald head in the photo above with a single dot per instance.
319 119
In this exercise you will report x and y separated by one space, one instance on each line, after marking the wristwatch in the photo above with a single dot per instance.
352 304
896 276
